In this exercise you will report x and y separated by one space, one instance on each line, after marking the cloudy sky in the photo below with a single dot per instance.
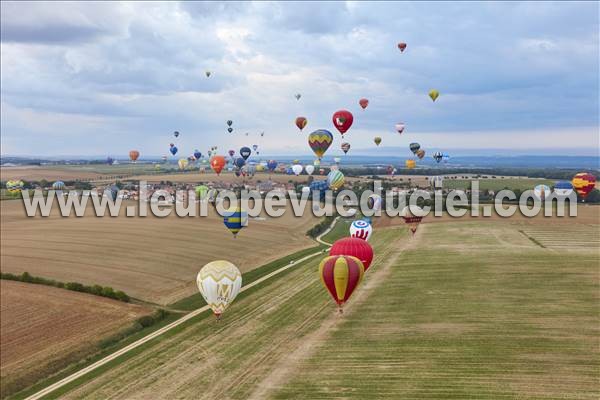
103 78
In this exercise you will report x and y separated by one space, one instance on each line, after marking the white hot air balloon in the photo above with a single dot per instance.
219 282
541 191
361 229
297 169
309 169
337 160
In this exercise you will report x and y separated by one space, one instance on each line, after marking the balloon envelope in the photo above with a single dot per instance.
342 120
361 229
434 94
335 179
352 246
301 122
402 46
319 141
219 282
309 169
363 103
584 183
340 275
217 163
399 127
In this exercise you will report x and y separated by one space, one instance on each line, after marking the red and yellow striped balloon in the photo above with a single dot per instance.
584 183
341 275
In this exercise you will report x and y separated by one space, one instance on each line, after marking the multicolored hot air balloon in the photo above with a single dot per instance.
583 183
235 219
14 186
301 122
319 141
399 127
434 94
420 153
374 202
219 282
217 163
363 103
58 185
342 120
377 140
352 246
361 229
341 275
134 155
335 179
402 47
410 164
437 156
345 147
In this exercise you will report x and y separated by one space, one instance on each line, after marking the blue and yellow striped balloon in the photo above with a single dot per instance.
235 219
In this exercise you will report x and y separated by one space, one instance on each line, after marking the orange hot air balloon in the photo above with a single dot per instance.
341 275
584 183
363 103
402 46
301 122
217 163
134 155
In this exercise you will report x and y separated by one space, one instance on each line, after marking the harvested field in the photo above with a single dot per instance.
43 328
150 258
463 310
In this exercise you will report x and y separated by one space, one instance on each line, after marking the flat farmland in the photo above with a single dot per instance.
462 310
153 259
43 328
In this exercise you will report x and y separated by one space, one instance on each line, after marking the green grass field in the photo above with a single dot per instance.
498 184
463 310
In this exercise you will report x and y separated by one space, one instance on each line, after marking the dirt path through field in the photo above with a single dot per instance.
285 367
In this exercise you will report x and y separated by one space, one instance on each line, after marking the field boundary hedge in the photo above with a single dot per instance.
97 290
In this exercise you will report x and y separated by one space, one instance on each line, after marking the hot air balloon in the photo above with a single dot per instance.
319 141
247 133
231 153
541 191
297 169
390 170
399 127
297 96
110 160
207 74
342 120
309 169
229 122
197 154
262 134
341 275
239 162
445 158
563 188
321 171
182 163
173 150
434 94
229 130
217 163
420 153
271 165
201 191
363 103
584 183
437 156
176 133
410 164
58 185
134 155
245 152
374 202
164 158
345 147
377 140
254 147
414 147
14 186
337 160
301 122
335 179
235 219
219 282
412 216
402 46
361 229
355 247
